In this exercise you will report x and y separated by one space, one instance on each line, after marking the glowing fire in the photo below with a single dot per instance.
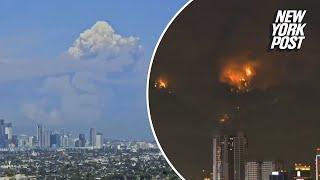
161 83
224 118
238 75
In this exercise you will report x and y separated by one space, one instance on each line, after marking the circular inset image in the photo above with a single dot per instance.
234 89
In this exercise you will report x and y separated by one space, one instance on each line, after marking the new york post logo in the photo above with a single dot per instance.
288 29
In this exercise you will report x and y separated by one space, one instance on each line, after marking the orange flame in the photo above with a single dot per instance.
238 75
224 119
161 83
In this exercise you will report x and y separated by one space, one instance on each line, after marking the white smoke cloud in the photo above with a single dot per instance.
76 85
101 41
106 50
70 103
37 112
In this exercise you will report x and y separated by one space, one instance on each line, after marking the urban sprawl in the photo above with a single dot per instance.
59 155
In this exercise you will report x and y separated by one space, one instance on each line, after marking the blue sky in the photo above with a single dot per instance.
79 64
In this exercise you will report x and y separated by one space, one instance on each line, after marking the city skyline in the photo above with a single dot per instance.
59 67
230 161
45 137
64 156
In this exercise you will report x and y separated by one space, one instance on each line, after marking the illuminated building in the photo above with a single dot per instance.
267 167
302 171
205 175
279 175
253 170
229 155
261 170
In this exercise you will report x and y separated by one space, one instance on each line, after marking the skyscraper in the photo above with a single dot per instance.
46 137
23 141
267 167
230 150
70 140
64 140
261 170
2 134
92 137
43 136
99 141
253 170
82 140
15 140
8 131
39 135
55 140
2 126
32 140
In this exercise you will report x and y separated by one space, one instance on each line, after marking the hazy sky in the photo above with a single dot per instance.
79 64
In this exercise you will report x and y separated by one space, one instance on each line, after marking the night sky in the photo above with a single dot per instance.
280 108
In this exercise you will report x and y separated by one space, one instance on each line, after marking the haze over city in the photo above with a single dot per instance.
79 65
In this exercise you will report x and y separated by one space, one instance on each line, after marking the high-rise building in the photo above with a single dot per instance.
15 140
82 140
278 175
46 138
70 140
55 140
99 141
301 171
2 134
77 143
92 137
8 131
261 170
2 126
230 150
64 141
23 141
253 170
43 136
32 140
39 135
64 138
267 167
